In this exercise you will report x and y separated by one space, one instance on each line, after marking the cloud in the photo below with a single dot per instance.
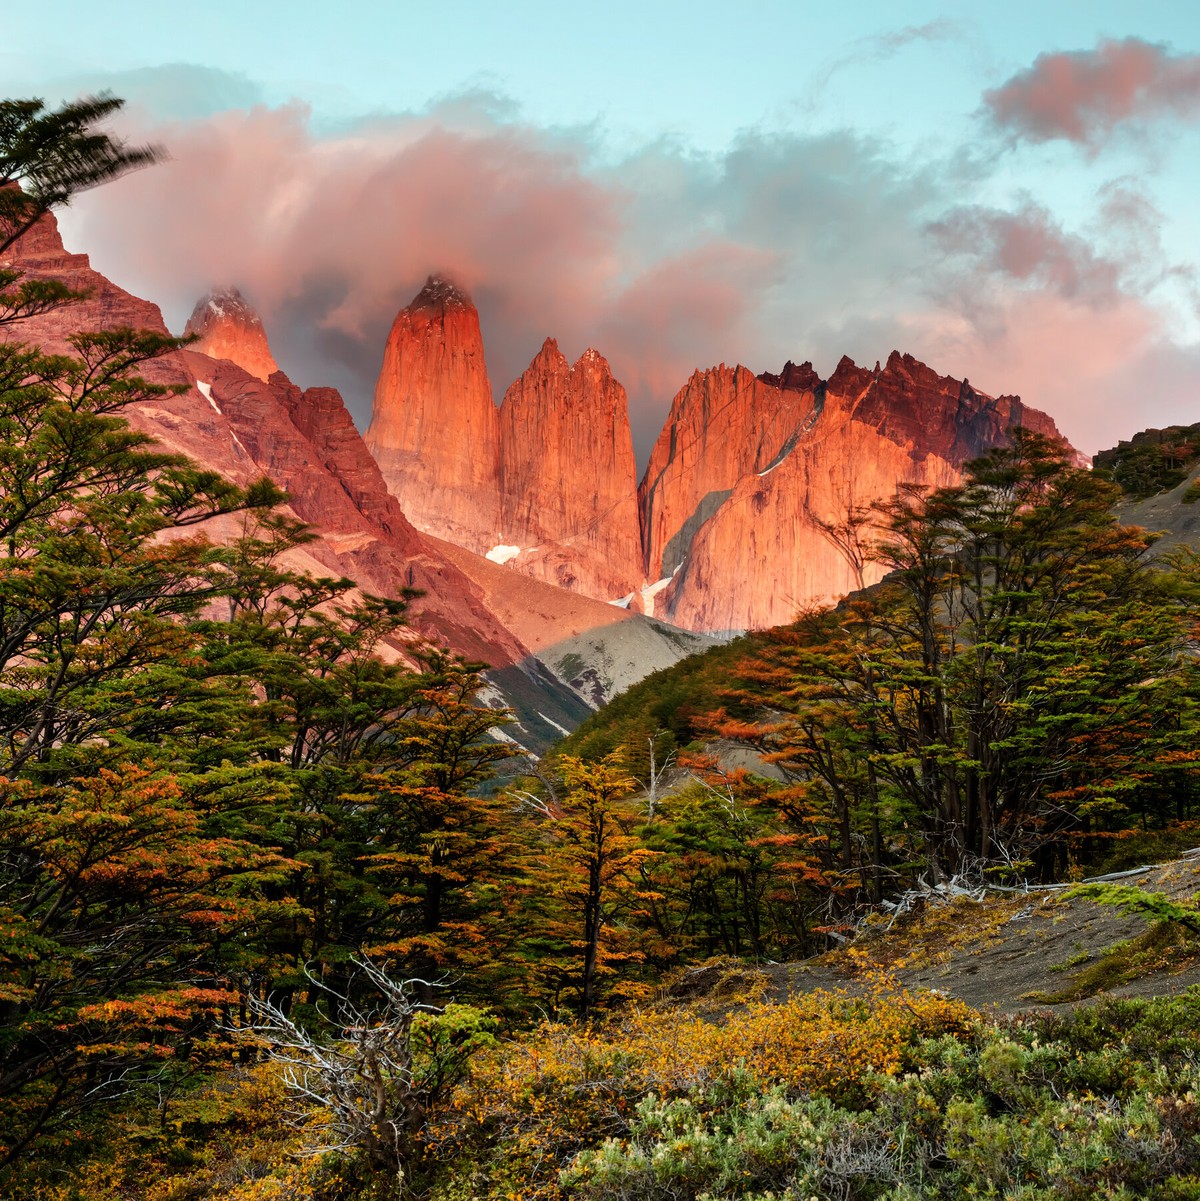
1029 247
878 47
940 29
783 246
1076 327
174 91
1084 95
667 260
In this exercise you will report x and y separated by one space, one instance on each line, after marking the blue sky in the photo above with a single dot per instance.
1007 191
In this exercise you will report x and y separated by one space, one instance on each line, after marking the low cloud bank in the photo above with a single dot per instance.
784 246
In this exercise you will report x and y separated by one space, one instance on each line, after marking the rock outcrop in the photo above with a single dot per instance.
724 425
753 476
434 428
227 327
568 477
735 521
736 515
928 413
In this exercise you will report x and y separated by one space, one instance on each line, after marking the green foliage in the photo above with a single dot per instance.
1015 688
192 808
1131 899
748 1145
583 884
1098 1105
674 699
55 155
727 875
1144 467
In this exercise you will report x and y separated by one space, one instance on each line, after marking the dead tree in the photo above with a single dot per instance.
354 1083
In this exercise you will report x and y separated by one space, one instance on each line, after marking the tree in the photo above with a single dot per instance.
728 877
48 158
115 902
374 1069
583 869
1015 672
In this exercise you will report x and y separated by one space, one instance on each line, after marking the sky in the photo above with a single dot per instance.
1006 191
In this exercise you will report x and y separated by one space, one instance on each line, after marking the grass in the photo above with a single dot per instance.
935 934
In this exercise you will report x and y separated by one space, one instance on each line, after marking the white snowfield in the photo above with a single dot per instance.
502 554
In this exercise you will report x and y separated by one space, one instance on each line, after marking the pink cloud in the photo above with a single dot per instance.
331 236
1029 246
795 246
1083 95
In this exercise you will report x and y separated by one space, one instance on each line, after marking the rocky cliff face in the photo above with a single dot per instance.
545 484
242 426
724 426
228 328
736 515
735 521
434 428
772 546
913 406
752 476
568 476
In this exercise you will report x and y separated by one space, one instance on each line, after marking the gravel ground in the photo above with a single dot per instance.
1000 954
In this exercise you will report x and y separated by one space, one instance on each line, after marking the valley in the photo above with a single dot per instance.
443 810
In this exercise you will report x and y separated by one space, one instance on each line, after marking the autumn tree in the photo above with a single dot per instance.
1003 675
584 887
115 903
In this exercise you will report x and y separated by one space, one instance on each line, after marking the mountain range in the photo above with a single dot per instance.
518 522
732 525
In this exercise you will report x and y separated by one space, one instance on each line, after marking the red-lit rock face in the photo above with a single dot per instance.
731 523
228 328
724 426
232 423
184 424
742 488
751 476
771 547
568 476
929 413
434 428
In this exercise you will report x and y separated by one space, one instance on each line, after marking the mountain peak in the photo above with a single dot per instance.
434 430
592 360
793 378
440 292
228 327
223 302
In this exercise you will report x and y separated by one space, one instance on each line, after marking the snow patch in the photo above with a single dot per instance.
652 590
788 447
501 553
555 724
622 602
206 391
